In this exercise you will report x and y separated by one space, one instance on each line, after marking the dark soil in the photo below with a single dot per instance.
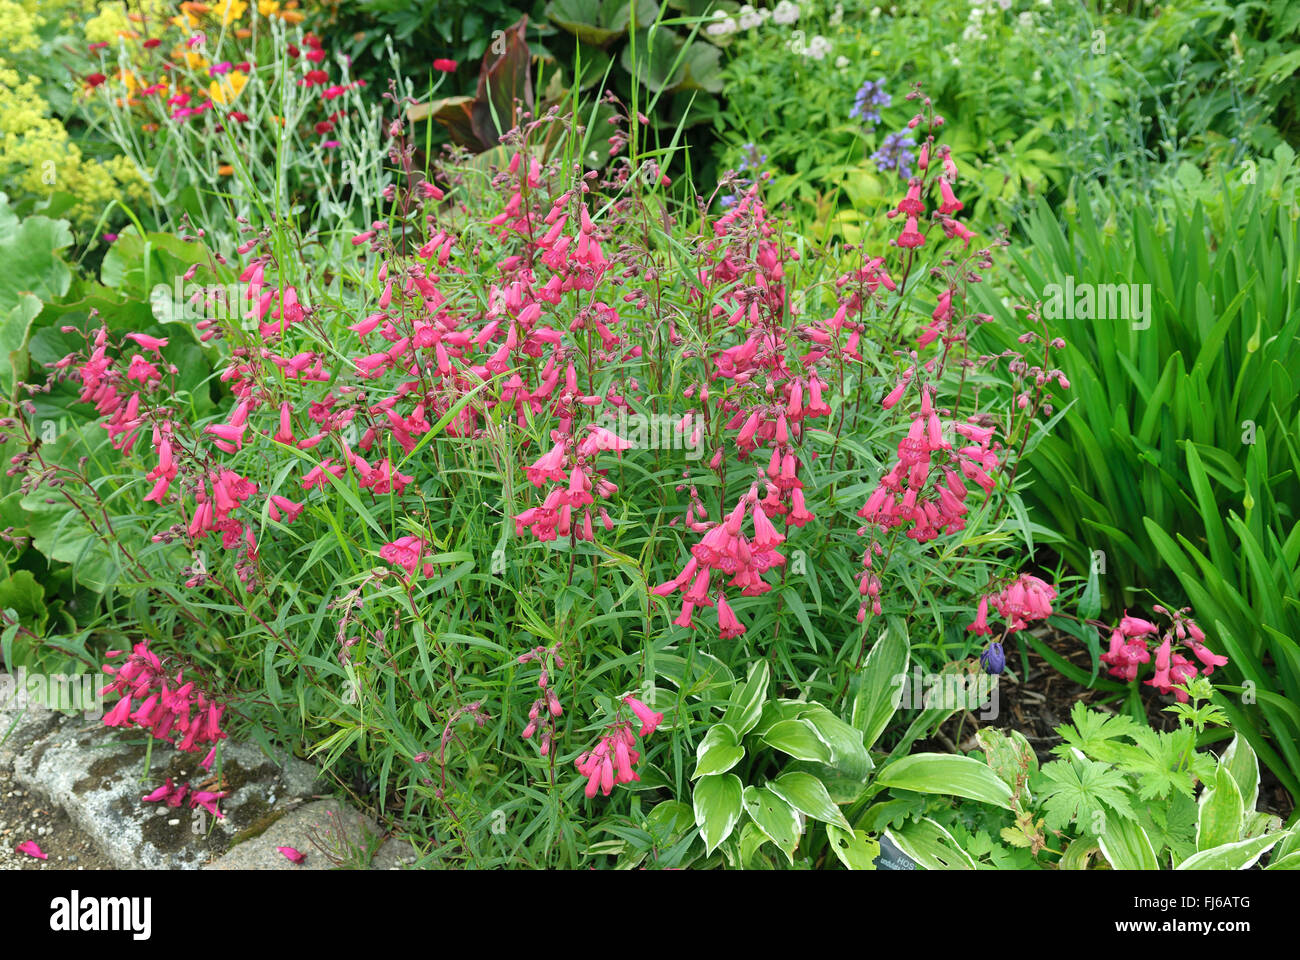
1038 702
23 816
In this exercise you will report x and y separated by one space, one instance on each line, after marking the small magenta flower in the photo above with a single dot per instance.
292 855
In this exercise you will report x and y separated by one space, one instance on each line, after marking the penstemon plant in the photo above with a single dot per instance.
452 482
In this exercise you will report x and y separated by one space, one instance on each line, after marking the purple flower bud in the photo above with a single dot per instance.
993 660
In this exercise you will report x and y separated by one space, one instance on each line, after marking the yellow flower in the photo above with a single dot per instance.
226 89
268 8
231 10
128 80
108 25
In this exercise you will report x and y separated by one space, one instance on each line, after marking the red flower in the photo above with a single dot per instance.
445 66
95 79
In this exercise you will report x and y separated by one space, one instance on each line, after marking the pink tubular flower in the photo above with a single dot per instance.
282 508
728 625
1026 598
892 398
981 624
31 848
650 720
285 433
1136 627
292 855
1172 669
149 343
911 236
207 799
162 793
406 553
167 705
1164 658
1203 654
950 202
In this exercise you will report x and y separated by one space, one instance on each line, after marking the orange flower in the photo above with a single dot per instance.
191 14
225 170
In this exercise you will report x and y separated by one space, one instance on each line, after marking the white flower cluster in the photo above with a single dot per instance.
721 25
818 47
747 18
785 13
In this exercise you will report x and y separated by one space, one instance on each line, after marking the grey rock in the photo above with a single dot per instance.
395 854
97 776
330 833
